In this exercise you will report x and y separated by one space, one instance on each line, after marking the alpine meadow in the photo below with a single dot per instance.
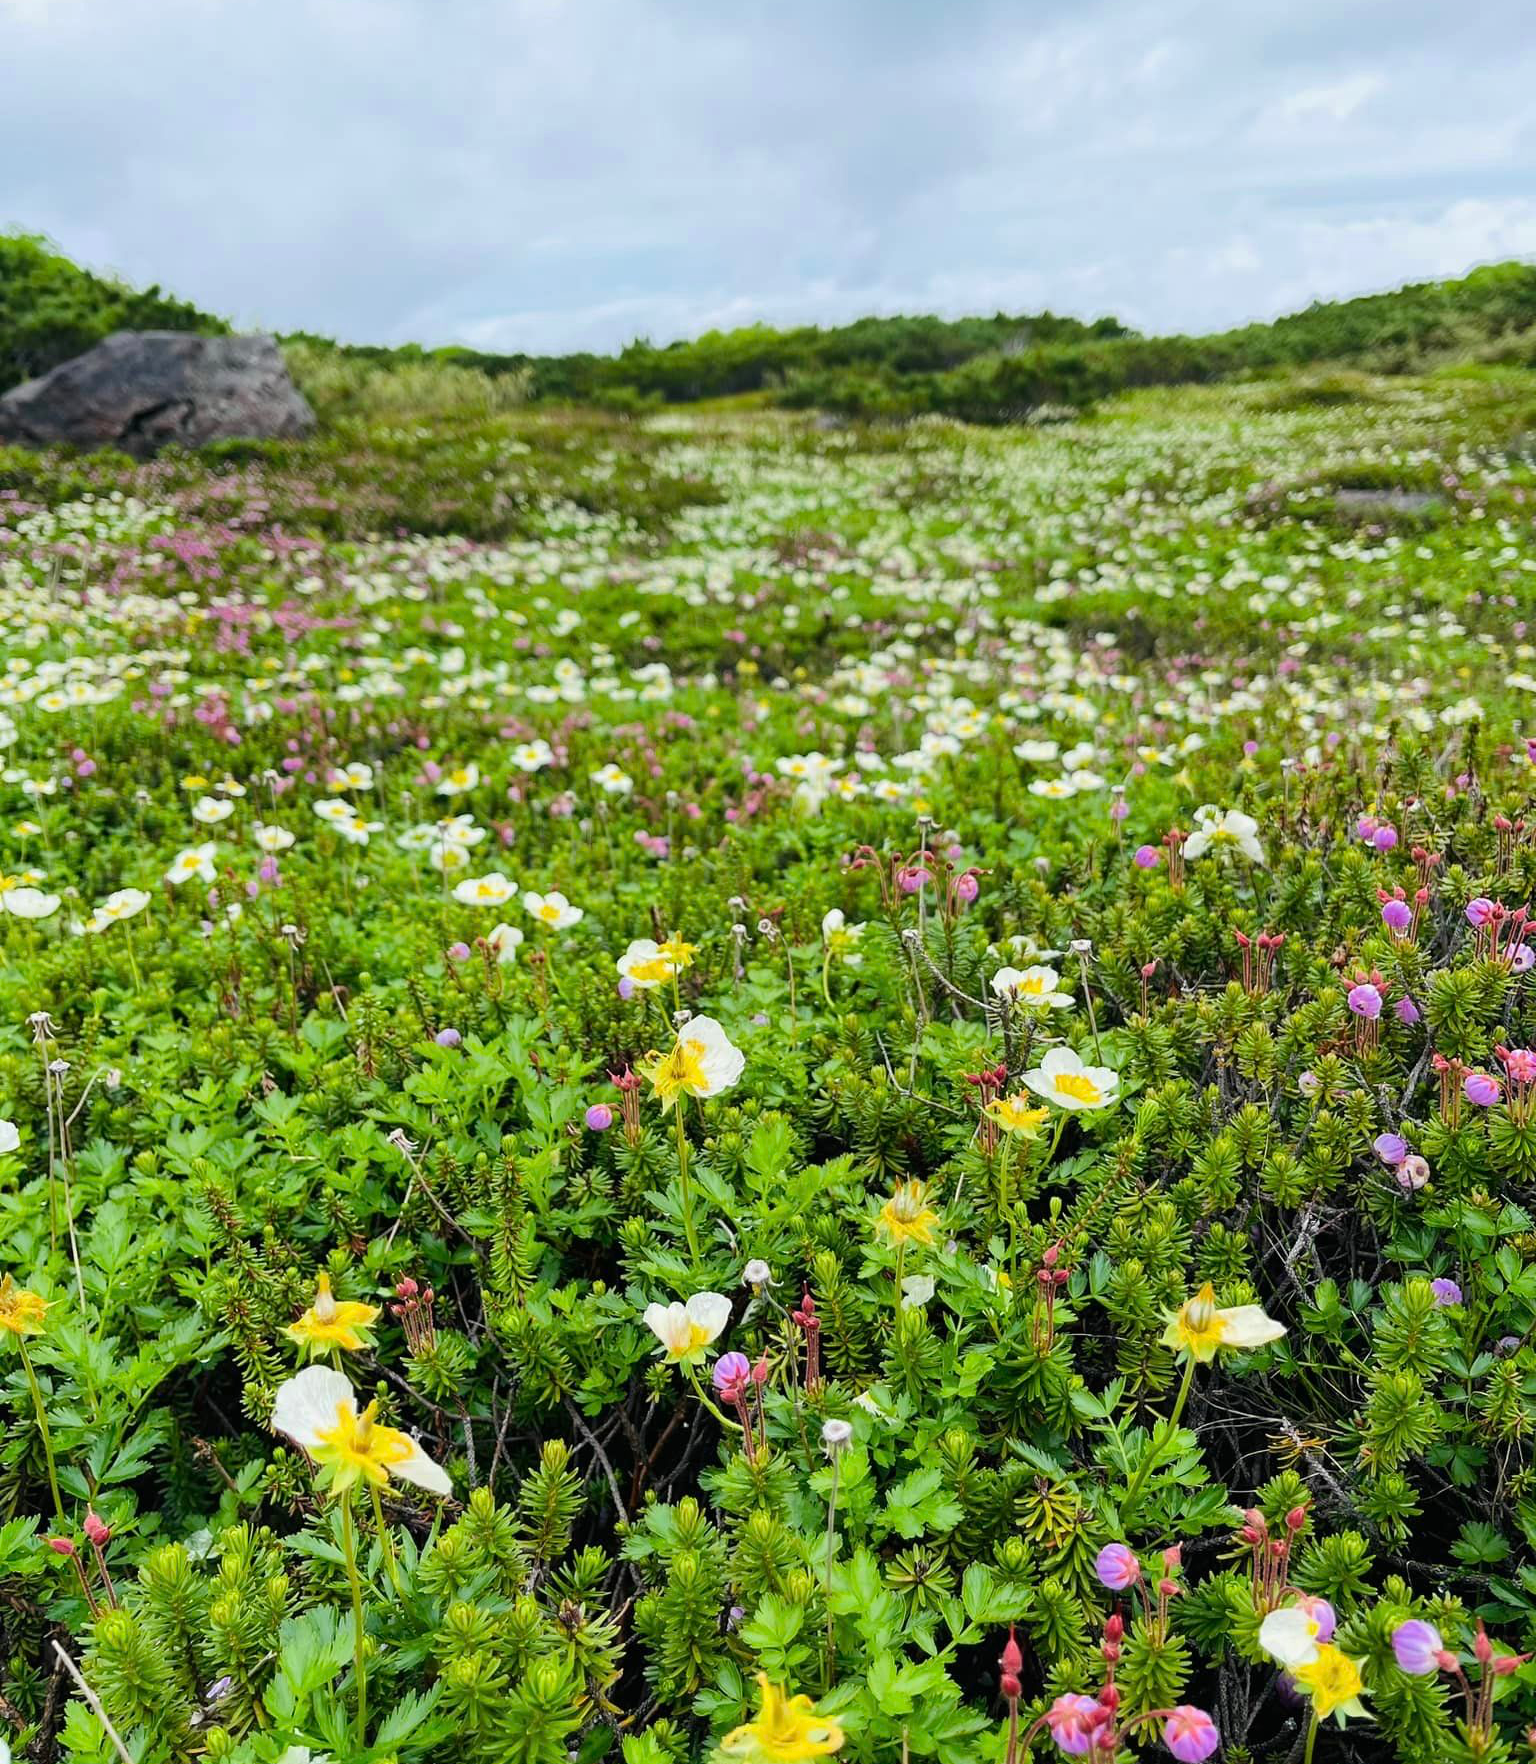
819 1044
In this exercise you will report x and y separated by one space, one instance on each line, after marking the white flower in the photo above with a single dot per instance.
644 965
29 903
445 856
1289 1636
1215 828
1035 988
1037 753
916 1290
757 1273
489 890
356 830
612 780
333 808
533 756
703 1062
684 1331
356 776
1063 1079
459 830
1056 789
10 1137
122 905
841 938
503 941
210 810
317 1409
552 910
457 780
273 838
196 860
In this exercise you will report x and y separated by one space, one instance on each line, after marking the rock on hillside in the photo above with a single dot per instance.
143 390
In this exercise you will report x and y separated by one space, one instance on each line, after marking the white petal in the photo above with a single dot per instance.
1289 1636
306 1405
1247 1326
1061 1059
709 1311
420 1469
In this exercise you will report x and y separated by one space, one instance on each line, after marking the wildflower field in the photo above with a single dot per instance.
714 1087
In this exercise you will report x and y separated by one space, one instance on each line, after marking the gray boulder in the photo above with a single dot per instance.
142 390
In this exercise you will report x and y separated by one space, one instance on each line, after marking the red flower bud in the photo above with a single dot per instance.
1012 1659
1114 1627
1296 1518
61 1546
96 1529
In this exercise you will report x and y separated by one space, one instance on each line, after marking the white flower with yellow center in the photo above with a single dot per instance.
533 756
210 810
553 911
684 1331
1062 1078
457 779
841 938
335 810
1199 1327
703 1062
613 780
1053 789
493 889
317 1410
356 776
644 964
356 829
1036 988
195 863
444 856
122 904
270 838
1224 829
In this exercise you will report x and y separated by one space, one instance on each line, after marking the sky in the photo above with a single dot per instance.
552 175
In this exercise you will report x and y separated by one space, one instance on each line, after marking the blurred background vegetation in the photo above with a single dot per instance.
983 370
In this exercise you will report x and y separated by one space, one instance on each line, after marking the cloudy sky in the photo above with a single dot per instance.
562 174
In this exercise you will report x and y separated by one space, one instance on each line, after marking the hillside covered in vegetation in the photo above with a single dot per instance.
983 370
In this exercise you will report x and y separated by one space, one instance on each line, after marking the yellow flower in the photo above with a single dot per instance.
330 1322
906 1217
679 953
787 1730
1198 1328
1014 1115
21 1312
1333 1682
317 1409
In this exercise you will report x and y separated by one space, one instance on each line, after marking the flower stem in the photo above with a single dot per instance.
1311 1738
682 1172
386 1538
1160 1437
901 1262
826 977
360 1663
42 1428
831 1659
698 1391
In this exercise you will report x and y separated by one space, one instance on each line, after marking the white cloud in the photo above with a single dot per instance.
525 173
